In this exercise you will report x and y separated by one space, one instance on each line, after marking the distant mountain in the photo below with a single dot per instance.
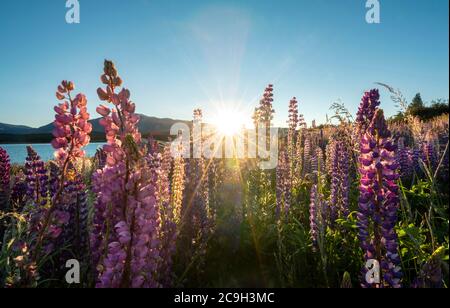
147 125
15 129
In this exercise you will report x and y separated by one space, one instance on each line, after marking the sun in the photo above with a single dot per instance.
228 122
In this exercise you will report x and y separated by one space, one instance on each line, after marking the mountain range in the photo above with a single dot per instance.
158 127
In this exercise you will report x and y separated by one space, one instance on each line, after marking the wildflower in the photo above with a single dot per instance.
307 168
19 192
431 275
266 110
5 176
36 178
366 111
283 185
379 201
125 236
339 173
429 155
168 224
72 129
5 167
293 125
404 157
317 216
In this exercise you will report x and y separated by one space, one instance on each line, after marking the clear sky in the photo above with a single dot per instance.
176 55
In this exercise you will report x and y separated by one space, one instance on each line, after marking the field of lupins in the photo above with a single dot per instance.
134 216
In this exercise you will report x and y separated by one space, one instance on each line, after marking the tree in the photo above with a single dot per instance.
416 104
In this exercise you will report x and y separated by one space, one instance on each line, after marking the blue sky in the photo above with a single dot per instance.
176 55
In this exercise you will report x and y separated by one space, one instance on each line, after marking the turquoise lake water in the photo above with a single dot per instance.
18 152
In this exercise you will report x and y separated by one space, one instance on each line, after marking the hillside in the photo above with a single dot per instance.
159 127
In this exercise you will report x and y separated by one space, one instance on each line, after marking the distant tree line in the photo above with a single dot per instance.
424 111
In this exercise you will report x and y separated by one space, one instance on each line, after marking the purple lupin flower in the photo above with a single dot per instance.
108 185
5 169
307 168
317 216
293 125
317 165
168 224
19 192
5 178
431 275
313 216
215 179
298 160
366 111
379 201
344 170
195 214
283 185
404 157
126 242
125 236
320 162
100 158
415 158
36 177
339 157
53 181
265 109
429 155
75 233
333 167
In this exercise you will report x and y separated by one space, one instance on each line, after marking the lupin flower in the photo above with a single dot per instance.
404 157
100 158
45 224
36 178
265 109
298 160
339 172
5 178
19 192
431 275
379 201
317 165
132 253
216 175
293 125
366 111
71 133
5 169
344 179
168 224
108 186
72 129
120 121
125 237
196 219
307 168
429 155
283 185
75 232
152 145
317 217
264 115
177 185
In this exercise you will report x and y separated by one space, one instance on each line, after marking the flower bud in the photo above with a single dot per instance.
102 94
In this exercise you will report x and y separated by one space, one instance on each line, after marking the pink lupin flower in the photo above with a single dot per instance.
72 128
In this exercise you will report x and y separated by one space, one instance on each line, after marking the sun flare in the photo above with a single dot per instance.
229 122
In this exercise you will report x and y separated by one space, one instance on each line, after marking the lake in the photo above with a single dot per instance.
18 152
